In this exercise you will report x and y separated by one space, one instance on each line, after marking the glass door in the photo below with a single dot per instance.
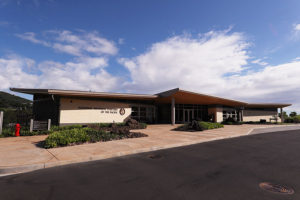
188 115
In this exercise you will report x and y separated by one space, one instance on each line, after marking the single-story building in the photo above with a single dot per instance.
65 107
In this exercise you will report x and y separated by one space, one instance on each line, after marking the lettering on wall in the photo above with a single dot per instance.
109 111
105 110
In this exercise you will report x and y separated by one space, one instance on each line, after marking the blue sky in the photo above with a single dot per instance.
247 50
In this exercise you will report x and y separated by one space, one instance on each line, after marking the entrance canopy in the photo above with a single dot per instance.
187 97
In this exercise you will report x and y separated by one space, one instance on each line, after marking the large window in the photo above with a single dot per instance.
188 112
143 113
230 113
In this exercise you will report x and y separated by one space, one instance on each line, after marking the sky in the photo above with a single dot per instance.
244 50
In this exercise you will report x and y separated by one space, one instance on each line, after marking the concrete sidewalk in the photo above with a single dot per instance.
22 154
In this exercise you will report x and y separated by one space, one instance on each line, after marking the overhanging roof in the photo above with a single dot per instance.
183 96
180 96
76 93
267 105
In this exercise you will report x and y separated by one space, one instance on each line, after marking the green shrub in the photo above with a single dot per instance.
7 132
202 126
66 137
96 136
231 123
10 132
142 125
60 128
294 119
102 125
210 125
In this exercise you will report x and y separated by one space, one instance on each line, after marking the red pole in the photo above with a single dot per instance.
17 132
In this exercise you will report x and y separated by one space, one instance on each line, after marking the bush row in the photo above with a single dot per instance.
294 119
82 135
10 132
199 126
210 125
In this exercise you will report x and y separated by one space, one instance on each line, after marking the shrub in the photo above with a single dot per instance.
142 125
200 126
66 137
295 119
7 132
60 128
184 127
82 135
104 124
210 125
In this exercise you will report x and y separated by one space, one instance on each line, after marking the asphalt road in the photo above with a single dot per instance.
225 169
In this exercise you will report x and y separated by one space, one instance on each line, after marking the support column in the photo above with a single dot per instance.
1 121
242 115
173 111
281 115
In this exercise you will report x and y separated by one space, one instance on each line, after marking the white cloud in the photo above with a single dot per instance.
15 72
295 32
85 43
188 62
79 44
69 49
259 62
297 27
217 64
30 36
85 71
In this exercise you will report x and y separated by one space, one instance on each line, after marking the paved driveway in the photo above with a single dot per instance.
22 153
219 170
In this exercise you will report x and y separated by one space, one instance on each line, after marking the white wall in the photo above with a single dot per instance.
91 111
217 112
257 115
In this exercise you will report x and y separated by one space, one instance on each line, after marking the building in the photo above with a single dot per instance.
65 107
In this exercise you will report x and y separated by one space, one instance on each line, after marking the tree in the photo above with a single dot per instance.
284 115
293 114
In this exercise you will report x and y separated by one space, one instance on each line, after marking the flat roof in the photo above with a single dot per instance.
181 96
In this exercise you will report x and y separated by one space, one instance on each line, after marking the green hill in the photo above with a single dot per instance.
12 101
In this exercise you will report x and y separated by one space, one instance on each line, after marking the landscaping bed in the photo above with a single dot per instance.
85 135
79 134
10 132
199 126
70 135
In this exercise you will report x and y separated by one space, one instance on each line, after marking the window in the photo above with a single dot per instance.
143 113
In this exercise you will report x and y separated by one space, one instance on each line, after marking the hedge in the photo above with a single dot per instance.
210 125
66 137
202 126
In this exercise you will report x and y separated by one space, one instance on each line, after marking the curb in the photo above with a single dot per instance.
279 126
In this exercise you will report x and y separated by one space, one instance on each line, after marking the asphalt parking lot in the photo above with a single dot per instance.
225 169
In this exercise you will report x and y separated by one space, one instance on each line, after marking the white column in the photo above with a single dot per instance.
282 118
49 124
173 111
1 121
31 125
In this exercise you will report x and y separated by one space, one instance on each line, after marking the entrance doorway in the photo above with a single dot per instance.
188 115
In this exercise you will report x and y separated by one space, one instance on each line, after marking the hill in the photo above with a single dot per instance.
12 101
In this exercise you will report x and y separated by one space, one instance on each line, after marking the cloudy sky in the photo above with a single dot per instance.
245 50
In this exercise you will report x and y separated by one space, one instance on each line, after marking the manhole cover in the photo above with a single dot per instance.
276 188
155 156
